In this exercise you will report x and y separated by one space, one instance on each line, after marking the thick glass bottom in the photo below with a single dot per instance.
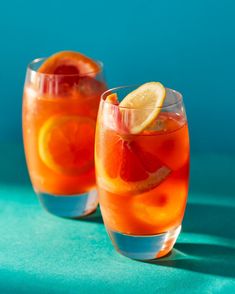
144 247
71 206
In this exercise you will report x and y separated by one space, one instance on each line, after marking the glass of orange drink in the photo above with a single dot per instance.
142 168
60 104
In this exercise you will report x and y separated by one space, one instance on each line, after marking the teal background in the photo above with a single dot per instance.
188 45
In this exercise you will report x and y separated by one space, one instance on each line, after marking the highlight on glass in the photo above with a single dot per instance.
142 168
60 104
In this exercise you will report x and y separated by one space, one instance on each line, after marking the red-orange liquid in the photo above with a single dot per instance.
144 209
38 110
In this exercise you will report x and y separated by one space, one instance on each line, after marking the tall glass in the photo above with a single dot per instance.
59 118
142 178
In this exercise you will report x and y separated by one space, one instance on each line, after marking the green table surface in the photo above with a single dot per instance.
41 253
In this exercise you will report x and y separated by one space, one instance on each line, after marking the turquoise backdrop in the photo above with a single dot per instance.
188 45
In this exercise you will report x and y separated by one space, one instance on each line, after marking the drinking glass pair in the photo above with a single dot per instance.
142 179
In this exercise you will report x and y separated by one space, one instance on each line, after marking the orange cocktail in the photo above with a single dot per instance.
142 172
61 99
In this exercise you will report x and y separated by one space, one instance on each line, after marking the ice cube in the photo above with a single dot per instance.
160 124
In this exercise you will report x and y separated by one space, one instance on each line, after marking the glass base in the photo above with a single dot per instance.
144 247
71 206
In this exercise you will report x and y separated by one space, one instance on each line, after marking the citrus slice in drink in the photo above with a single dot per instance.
125 167
69 63
161 209
112 98
69 73
144 105
66 144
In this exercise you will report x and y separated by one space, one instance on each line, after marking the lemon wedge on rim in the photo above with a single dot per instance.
144 105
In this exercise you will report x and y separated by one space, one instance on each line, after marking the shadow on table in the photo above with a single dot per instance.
217 223
92 218
203 258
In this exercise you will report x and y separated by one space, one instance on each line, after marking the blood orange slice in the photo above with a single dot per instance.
69 63
125 167
66 144
67 70
112 98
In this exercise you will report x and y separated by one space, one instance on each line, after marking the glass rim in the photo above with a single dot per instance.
37 60
177 93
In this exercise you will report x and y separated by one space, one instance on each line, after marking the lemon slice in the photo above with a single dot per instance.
144 105
66 144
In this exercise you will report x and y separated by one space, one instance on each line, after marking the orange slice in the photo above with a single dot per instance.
125 167
112 98
145 104
69 63
161 209
66 144
71 71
